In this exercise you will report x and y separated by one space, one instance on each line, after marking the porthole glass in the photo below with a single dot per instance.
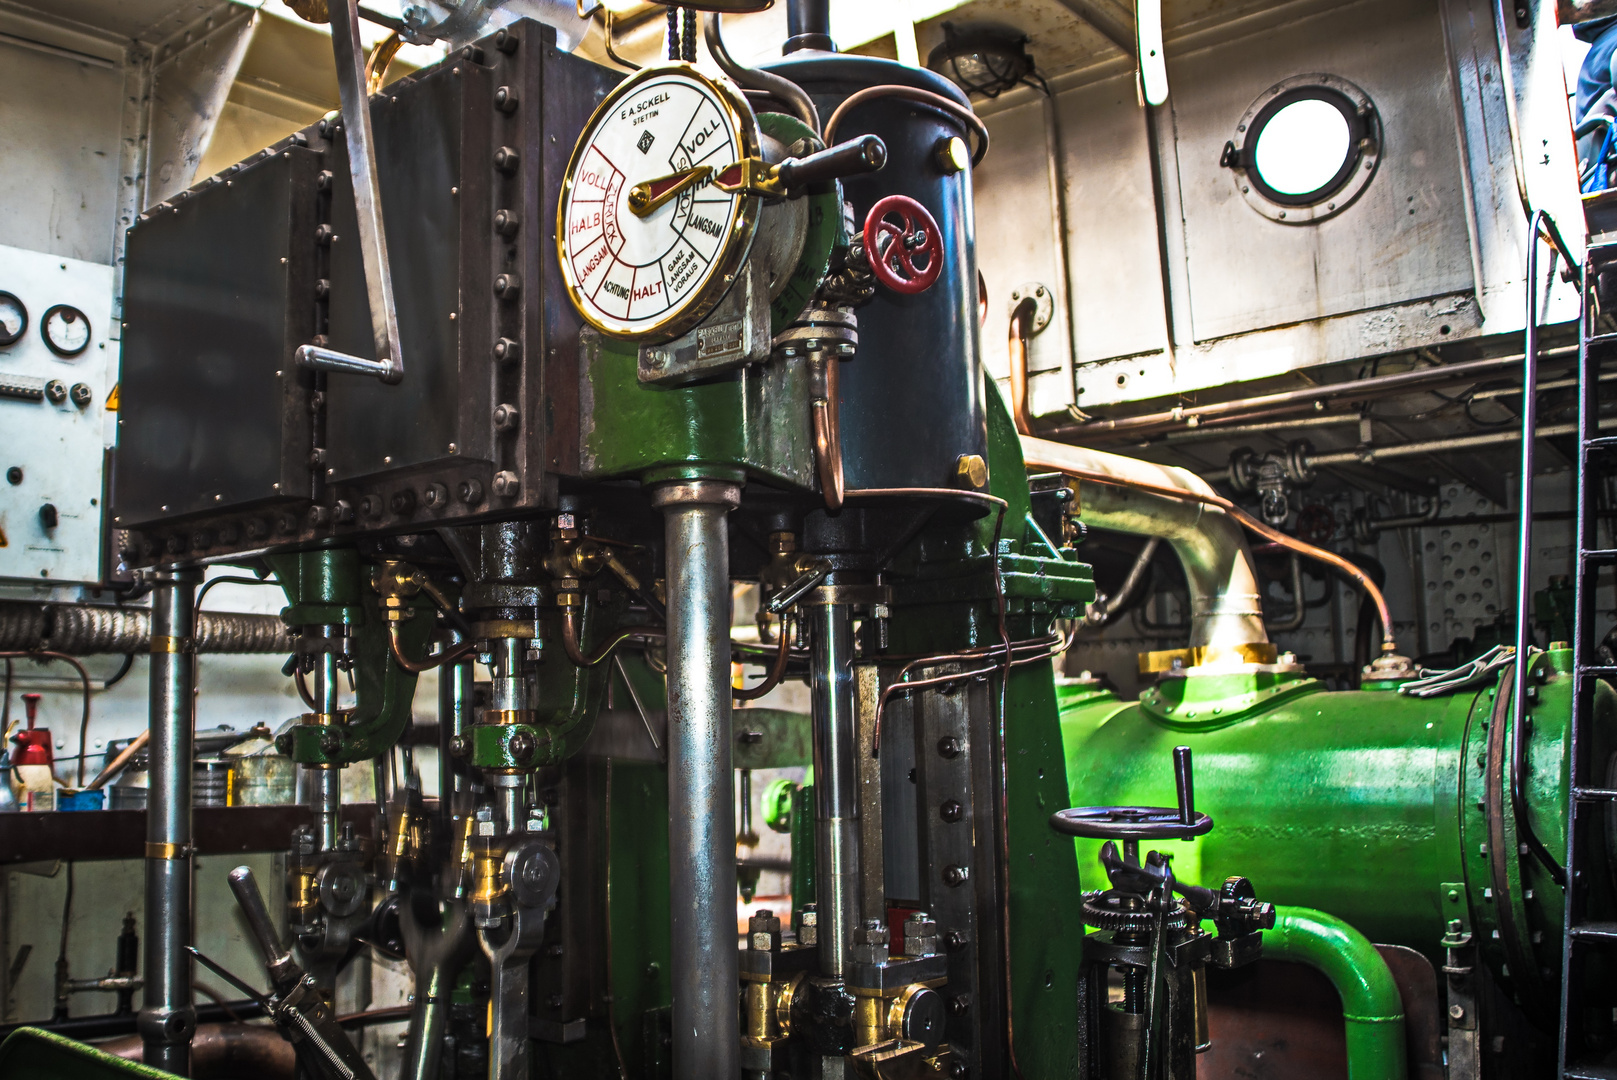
1302 148
1306 149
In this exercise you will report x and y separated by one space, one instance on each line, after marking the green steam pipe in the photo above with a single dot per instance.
1372 1008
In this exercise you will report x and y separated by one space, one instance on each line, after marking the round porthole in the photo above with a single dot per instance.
1305 149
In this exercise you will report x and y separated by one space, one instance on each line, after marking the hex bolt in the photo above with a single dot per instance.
960 1004
522 747
342 512
435 495
371 506
506 417
506 223
458 746
508 286
324 234
56 391
949 747
507 484
951 810
80 394
507 350
955 876
319 515
506 41
505 99
471 492
329 743
1457 1011
506 159
402 501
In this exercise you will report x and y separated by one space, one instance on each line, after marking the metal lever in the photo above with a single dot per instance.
282 968
866 154
794 592
1185 784
356 116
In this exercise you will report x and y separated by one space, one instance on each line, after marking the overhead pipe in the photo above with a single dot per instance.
1191 416
1177 486
1225 606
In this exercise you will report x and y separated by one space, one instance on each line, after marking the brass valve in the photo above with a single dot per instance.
574 557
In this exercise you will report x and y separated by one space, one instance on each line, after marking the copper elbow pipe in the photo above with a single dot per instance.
1021 331
448 656
247 1051
575 653
777 671
828 439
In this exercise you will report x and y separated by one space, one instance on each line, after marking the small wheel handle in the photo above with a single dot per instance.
903 245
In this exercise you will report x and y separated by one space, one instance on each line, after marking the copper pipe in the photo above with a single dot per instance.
926 97
1189 416
1021 330
448 656
236 1051
111 768
575 653
1044 454
828 438
776 673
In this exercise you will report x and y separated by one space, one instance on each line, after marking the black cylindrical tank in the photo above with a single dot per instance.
912 397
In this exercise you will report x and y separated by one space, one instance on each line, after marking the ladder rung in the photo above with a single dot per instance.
1595 794
1599 555
1602 442
1605 931
1601 670
1600 339
1589 1072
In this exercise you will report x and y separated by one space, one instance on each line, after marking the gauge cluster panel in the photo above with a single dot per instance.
58 365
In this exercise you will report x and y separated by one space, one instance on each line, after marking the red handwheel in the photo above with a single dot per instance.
903 245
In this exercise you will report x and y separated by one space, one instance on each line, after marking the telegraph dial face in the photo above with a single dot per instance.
664 133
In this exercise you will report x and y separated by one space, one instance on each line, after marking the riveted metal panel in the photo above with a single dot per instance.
1404 239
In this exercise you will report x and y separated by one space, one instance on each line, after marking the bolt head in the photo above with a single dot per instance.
459 746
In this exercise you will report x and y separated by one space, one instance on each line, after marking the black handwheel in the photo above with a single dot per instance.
1140 822
1128 823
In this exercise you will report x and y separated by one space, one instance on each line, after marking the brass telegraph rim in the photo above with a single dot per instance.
733 249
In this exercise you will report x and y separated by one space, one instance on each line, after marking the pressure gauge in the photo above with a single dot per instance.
66 330
13 319
656 211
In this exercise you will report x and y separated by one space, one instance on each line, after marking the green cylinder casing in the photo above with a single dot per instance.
1370 805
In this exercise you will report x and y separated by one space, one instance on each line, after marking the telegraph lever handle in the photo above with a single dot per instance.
865 154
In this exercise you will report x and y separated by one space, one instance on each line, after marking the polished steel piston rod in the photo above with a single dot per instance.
701 819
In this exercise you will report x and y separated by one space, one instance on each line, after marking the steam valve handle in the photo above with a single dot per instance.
1181 822
903 245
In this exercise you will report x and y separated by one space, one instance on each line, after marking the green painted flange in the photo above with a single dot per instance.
495 746
825 231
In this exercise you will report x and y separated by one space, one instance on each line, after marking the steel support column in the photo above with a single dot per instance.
706 1024
167 1019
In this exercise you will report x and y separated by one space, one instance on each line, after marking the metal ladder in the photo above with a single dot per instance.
1588 800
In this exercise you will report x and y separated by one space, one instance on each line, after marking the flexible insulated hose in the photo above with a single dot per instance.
1372 1008
82 629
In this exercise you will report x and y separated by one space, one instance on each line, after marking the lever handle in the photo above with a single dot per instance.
1185 784
245 886
866 154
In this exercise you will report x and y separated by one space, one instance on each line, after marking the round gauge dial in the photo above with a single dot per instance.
648 242
13 319
66 330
